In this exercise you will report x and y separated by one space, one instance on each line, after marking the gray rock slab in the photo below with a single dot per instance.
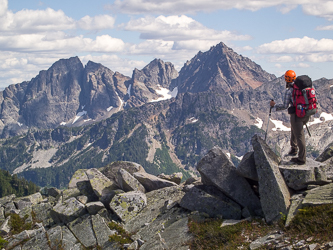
274 193
2 214
327 154
152 182
247 167
102 231
38 242
83 230
127 205
106 198
69 193
55 237
67 211
199 200
155 204
6 199
296 203
19 238
5 227
69 242
128 183
216 169
94 207
42 213
54 192
175 177
329 168
111 170
299 177
78 176
319 196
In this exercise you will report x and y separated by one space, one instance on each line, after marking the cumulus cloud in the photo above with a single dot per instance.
322 9
297 46
179 28
100 22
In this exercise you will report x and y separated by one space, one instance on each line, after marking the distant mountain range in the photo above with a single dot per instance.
72 117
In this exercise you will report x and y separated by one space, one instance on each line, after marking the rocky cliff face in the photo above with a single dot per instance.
221 70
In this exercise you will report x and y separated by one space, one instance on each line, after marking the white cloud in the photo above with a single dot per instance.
297 46
96 23
301 65
178 28
322 9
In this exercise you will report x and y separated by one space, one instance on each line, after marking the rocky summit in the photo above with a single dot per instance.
120 206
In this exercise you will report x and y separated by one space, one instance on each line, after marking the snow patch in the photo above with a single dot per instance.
63 124
279 126
258 122
331 86
20 124
78 115
228 154
121 102
82 107
240 157
165 93
109 108
193 120
326 116
129 90
87 120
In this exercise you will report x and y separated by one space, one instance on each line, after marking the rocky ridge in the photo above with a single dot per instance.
155 210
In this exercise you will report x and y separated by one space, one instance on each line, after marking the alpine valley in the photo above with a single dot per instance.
72 117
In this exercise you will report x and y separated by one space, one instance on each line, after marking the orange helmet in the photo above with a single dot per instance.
290 76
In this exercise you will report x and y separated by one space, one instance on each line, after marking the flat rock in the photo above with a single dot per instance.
128 183
99 182
247 167
102 231
39 241
128 205
319 196
6 199
151 182
299 177
42 213
217 170
67 211
199 200
274 193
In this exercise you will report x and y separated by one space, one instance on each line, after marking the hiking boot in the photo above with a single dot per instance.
297 161
293 151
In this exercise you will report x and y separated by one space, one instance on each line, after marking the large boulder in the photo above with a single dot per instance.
151 182
39 241
329 168
78 176
100 184
128 183
6 199
68 211
274 193
128 205
299 177
215 205
217 170
247 167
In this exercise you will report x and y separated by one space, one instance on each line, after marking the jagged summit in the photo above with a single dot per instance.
220 69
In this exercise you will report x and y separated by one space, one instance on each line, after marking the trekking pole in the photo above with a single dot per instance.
306 125
269 117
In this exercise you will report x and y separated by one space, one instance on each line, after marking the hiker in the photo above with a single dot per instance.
297 139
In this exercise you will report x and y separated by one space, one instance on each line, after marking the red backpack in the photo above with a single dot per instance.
304 96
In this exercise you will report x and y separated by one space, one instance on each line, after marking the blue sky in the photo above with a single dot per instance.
127 34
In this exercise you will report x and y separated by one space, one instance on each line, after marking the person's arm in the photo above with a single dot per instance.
286 101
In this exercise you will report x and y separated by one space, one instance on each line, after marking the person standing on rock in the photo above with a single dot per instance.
297 139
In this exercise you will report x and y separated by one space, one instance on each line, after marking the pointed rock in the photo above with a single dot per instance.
216 169
274 193
299 177
247 167
196 199
128 183
151 182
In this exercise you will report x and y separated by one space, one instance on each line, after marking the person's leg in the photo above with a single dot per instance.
300 137
293 141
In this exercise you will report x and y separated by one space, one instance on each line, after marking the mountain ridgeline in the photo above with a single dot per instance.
71 117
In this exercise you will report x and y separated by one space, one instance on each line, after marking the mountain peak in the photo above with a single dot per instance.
220 69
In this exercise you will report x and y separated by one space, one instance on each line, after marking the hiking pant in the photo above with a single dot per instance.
297 139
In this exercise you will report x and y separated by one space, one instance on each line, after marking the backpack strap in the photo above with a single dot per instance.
305 98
